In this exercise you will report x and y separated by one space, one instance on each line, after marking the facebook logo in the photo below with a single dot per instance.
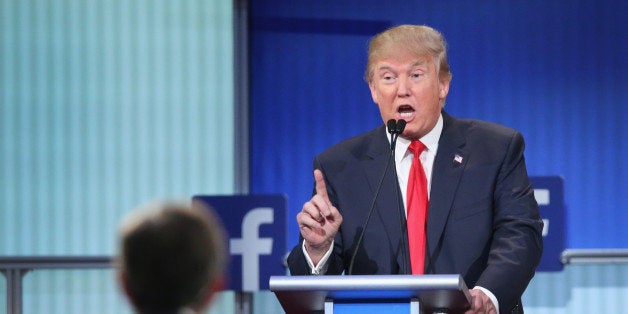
257 230
251 246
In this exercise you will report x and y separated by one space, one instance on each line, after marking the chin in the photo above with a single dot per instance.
409 134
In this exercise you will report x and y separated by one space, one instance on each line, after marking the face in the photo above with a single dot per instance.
407 87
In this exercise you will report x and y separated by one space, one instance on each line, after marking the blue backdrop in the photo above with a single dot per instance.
554 70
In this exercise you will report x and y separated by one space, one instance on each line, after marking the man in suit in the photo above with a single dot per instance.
482 220
172 257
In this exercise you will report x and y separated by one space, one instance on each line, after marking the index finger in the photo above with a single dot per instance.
321 188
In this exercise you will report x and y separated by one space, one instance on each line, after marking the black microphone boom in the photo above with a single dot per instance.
401 125
395 128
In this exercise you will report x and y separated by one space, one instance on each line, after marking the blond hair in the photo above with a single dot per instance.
419 40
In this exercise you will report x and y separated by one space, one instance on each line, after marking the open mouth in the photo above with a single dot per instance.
405 111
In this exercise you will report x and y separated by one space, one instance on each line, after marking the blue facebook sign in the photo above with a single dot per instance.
549 194
256 225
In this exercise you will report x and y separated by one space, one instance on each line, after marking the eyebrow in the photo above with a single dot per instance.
415 64
385 67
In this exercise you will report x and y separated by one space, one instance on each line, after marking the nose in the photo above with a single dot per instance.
403 89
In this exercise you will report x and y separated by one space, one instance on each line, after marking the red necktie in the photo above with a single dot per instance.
417 203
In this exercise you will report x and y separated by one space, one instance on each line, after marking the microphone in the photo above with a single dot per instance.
394 128
401 125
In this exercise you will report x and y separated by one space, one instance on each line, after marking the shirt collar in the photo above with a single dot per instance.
430 140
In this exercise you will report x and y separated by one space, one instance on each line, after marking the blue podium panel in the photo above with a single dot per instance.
372 308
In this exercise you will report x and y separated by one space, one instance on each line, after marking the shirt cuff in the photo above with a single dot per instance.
490 296
321 268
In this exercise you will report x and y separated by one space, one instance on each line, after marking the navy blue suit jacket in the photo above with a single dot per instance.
483 221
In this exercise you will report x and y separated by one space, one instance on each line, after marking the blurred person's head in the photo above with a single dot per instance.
171 257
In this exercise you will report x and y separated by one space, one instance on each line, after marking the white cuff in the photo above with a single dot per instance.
490 296
321 268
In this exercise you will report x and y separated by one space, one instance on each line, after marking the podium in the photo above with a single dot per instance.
371 294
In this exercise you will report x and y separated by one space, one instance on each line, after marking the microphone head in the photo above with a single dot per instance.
401 125
392 126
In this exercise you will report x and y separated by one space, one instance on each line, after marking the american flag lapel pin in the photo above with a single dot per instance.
458 158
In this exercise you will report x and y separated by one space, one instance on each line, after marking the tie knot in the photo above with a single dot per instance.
416 147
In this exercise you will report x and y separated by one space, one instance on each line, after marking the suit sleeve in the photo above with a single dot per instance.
516 245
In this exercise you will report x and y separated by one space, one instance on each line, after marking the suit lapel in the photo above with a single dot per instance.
449 165
376 158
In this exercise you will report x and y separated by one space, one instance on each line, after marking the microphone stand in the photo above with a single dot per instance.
394 128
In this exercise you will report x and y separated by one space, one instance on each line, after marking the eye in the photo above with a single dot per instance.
416 75
388 77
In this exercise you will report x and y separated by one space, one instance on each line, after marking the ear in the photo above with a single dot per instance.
122 281
124 285
216 286
373 92
443 87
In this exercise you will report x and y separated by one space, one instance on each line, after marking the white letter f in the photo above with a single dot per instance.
250 246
